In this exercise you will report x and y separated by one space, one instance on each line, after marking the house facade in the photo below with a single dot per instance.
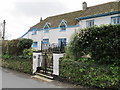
56 29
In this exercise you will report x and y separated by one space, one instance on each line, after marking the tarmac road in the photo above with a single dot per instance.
13 79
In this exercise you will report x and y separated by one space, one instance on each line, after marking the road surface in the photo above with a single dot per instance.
13 79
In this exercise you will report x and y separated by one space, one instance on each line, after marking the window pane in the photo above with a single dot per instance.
34 44
61 41
63 27
90 23
114 21
118 21
45 41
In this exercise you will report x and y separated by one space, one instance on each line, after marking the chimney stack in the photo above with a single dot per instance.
84 5
40 19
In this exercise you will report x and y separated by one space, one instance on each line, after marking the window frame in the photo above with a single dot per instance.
90 23
46 30
34 31
35 44
116 18
63 40
61 26
45 41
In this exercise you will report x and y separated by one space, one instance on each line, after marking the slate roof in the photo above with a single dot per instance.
70 17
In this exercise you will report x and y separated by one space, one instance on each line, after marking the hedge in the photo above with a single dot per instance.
22 65
86 72
101 43
16 46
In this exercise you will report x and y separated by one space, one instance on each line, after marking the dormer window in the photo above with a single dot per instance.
34 31
46 27
63 25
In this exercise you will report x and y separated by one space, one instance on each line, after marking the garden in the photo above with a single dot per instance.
17 55
92 57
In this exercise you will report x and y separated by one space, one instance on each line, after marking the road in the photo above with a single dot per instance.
13 79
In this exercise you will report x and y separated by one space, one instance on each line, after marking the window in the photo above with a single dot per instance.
90 23
115 20
35 44
63 25
61 42
34 31
45 41
46 27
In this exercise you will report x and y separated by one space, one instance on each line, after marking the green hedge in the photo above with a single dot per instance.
86 72
16 46
22 65
101 43
10 47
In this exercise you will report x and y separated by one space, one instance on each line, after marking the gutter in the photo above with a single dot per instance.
98 15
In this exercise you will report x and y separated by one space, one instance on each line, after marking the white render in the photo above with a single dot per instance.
97 21
56 58
36 61
54 34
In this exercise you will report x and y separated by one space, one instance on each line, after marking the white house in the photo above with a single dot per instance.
59 28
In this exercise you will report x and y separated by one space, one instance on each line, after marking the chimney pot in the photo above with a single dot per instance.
84 5
40 19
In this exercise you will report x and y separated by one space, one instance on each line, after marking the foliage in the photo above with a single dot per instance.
28 52
7 56
93 57
102 43
18 64
10 47
86 72
16 46
24 44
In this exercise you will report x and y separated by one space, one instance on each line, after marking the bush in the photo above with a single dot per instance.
10 47
86 72
28 52
18 64
24 43
102 43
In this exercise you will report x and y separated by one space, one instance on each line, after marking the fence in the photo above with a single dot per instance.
54 47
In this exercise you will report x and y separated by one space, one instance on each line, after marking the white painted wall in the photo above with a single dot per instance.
36 61
97 21
55 34
56 58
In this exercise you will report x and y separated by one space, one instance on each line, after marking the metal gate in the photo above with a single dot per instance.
47 60
47 50
46 64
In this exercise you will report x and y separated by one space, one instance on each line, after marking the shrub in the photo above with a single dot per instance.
102 43
10 47
24 44
86 72
28 52
18 64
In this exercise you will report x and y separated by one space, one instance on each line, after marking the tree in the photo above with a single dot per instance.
24 44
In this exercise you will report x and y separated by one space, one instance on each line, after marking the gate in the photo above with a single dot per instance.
45 59
46 64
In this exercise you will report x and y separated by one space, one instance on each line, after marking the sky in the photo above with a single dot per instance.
20 15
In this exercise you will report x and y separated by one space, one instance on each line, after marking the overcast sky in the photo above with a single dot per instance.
20 15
